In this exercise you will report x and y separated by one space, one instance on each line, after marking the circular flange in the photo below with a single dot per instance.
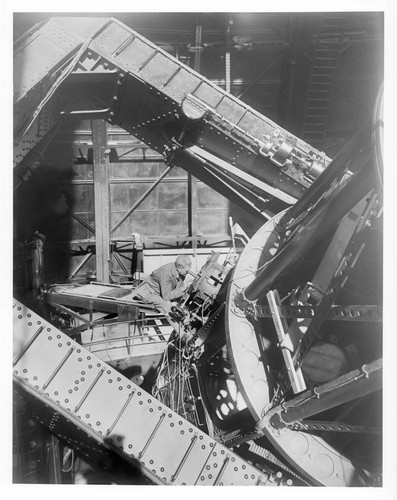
242 341
309 454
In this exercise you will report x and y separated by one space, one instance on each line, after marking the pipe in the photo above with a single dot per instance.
310 233
336 168
356 384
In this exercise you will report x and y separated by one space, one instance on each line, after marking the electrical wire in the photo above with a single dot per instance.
258 269
170 385
250 273
105 342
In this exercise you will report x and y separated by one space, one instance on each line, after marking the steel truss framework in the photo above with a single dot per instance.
336 202
97 411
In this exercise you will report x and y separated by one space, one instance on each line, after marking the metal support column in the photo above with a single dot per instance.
192 181
101 199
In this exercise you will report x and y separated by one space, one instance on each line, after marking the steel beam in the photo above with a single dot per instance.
139 70
287 349
98 411
348 387
102 200
315 226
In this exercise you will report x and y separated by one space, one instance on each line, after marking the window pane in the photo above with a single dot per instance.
208 198
172 195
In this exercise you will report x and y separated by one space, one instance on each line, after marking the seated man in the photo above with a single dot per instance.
165 284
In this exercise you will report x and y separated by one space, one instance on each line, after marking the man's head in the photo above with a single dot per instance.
183 264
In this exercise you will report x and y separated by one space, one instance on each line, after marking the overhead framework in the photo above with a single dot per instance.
101 68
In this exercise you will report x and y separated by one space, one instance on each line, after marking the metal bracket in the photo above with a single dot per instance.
285 343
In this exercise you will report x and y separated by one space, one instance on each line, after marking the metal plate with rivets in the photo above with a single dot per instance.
85 399
136 54
222 468
157 68
111 38
139 62
182 83
231 110
39 53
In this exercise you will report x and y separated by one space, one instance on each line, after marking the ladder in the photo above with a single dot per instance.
328 41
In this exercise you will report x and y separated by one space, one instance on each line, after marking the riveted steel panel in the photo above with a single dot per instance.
55 32
135 428
255 125
111 38
39 53
47 347
85 400
155 444
135 54
183 83
29 68
208 94
34 135
88 388
196 458
222 469
230 109
23 332
159 69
